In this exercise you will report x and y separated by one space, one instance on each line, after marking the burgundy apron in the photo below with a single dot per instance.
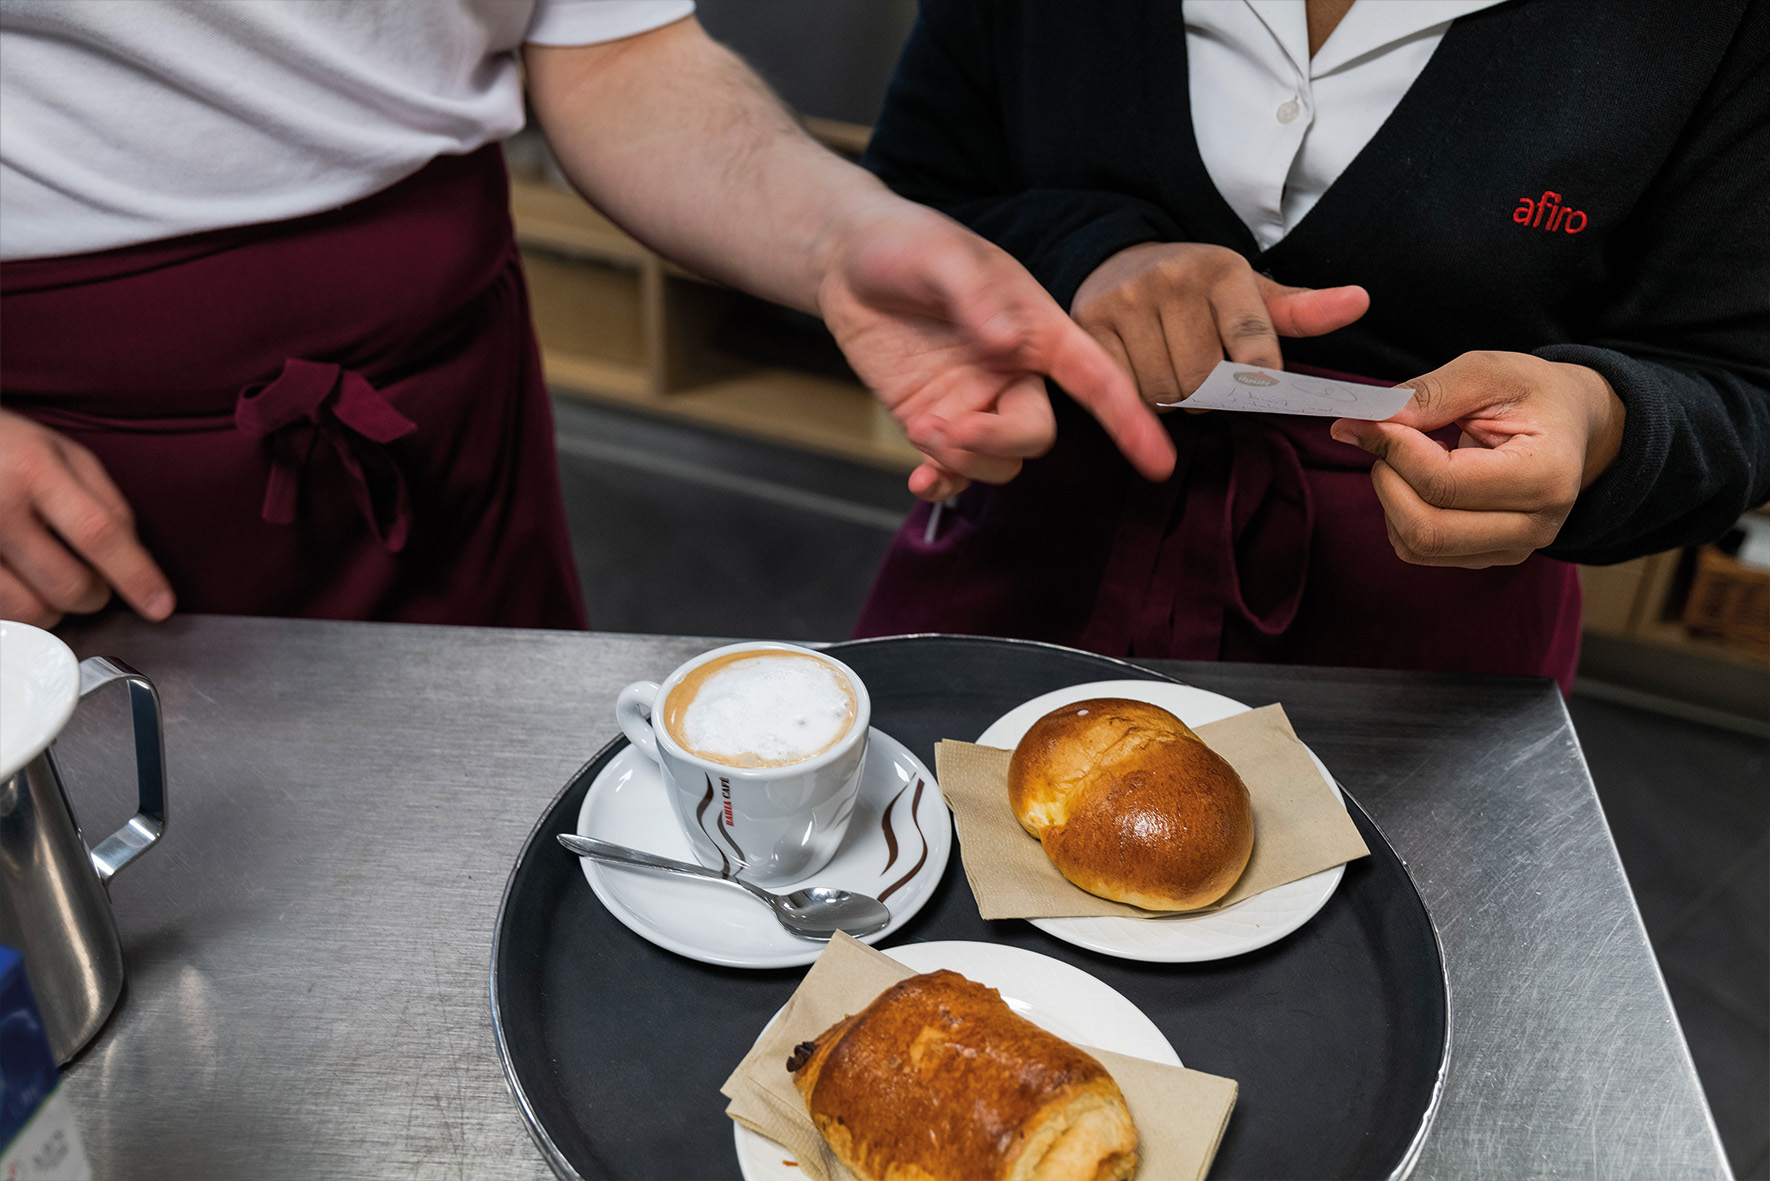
336 417
1267 544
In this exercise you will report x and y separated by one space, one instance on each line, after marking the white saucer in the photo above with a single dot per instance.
1050 993
1250 924
630 805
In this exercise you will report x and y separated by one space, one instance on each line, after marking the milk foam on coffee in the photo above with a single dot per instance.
761 709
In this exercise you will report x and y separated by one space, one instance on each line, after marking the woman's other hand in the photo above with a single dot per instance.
1535 435
67 536
1168 312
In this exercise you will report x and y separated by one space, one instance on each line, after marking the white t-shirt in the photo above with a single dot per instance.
128 121
1276 127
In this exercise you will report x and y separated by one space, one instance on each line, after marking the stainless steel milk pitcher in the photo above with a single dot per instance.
54 904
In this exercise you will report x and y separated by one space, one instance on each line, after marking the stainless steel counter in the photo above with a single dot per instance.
308 948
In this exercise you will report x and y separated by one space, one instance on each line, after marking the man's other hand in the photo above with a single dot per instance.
67 536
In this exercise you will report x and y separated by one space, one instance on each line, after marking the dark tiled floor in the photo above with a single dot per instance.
686 531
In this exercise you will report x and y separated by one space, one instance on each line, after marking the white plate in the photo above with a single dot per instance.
629 804
1050 993
1250 924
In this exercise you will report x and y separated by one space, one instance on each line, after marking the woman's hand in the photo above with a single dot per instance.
956 339
67 536
1168 312
1536 434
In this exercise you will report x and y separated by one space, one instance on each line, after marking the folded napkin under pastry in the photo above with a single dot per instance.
1180 1114
1300 827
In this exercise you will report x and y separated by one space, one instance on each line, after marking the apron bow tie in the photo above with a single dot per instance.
311 403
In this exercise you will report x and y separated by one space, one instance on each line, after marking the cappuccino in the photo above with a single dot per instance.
761 709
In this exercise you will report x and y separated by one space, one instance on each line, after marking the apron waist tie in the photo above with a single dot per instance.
311 403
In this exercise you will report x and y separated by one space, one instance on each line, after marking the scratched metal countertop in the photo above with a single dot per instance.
308 948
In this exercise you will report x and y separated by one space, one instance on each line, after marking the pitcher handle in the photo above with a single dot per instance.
147 825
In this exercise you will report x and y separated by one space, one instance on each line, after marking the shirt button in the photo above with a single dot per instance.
1289 110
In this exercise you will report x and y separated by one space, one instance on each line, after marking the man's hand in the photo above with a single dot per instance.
1536 434
67 536
1169 311
956 338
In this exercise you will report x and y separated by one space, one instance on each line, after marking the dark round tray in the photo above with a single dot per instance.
615 1049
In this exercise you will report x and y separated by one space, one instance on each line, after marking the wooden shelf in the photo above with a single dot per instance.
595 378
849 139
1677 637
1640 601
619 324
776 405
589 309
554 219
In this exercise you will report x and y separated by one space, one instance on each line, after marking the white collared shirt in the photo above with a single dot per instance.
1275 127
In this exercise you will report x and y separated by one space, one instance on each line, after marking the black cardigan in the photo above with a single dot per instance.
1063 131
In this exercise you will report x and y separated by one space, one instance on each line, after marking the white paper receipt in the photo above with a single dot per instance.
1273 391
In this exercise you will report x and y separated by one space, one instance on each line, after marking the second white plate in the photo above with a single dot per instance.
1248 925
1051 994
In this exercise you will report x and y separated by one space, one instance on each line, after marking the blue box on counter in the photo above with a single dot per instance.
37 1135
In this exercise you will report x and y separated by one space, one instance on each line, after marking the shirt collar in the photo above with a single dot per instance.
1289 26
1367 28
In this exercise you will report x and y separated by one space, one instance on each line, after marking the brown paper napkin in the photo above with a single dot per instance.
1300 828
1180 1114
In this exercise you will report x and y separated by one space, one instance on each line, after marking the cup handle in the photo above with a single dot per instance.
633 711
149 822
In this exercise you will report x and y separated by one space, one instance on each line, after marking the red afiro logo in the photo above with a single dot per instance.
1547 213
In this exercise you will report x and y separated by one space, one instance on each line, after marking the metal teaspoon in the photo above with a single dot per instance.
816 912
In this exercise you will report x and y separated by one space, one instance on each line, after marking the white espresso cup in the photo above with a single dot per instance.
761 786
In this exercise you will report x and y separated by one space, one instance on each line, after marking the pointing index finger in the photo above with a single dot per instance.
1078 364
108 543
1012 316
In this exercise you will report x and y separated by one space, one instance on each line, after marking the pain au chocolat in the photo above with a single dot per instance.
939 1080
1131 805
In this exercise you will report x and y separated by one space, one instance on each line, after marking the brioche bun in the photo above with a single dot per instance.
1131 805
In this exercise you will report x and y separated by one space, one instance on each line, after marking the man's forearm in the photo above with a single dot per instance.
673 137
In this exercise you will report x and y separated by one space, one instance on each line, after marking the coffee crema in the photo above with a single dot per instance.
761 709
